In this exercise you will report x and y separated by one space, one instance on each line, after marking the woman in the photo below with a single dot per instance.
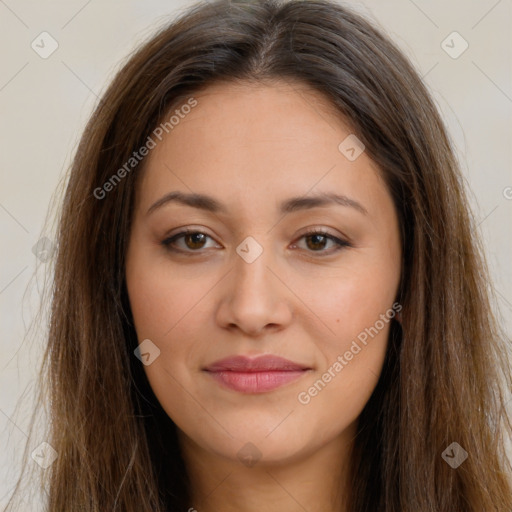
268 291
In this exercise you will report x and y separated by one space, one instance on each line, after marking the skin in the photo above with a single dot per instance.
252 147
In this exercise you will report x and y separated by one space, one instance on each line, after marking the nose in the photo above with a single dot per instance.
255 298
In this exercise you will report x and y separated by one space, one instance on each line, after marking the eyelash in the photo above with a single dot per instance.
340 243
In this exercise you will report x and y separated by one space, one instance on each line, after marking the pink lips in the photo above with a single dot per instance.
258 375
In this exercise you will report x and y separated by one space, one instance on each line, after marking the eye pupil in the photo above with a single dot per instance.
194 237
317 244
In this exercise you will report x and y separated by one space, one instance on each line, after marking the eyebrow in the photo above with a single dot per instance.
210 204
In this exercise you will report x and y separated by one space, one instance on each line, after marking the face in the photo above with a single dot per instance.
268 264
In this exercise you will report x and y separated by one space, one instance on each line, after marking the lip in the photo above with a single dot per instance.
255 375
261 363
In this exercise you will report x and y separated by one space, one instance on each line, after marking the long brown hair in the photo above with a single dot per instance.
446 372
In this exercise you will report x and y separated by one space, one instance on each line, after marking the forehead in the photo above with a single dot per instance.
277 139
251 114
235 121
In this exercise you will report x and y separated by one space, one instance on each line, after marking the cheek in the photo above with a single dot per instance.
345 303
163 300
350 367
169 313
355 309
335 398
163 310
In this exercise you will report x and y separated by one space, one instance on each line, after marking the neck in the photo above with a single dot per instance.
313 481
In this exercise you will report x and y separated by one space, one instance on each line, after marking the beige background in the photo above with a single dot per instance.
44 104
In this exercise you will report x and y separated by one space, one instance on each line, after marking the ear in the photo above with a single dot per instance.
398 317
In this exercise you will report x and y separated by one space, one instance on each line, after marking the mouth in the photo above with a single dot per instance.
258 375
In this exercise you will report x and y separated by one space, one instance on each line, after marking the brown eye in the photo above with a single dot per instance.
193 241
316 241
